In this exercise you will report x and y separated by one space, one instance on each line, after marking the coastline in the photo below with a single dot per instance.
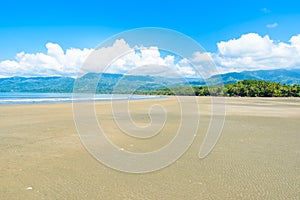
20 98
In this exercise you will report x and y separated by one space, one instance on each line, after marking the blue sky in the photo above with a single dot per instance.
29 25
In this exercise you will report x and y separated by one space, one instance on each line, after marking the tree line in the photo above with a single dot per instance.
244 88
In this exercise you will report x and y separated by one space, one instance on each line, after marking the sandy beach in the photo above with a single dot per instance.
256 157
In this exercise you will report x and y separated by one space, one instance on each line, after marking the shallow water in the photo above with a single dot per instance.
44 98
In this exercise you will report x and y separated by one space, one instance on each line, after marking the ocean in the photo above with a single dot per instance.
46 98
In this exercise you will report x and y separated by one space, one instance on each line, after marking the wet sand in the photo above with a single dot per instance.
256 157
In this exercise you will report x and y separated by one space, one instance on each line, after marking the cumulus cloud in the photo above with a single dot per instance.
254 52
274 25
149 61
116 58
101 58
249 52
120 58
250 44
55 62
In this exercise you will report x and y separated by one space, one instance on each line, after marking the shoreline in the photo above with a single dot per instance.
154 97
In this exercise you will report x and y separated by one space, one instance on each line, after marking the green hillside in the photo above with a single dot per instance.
281 82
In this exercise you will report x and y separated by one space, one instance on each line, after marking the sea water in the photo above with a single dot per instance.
45 98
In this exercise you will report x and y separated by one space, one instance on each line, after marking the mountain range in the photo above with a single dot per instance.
284 76
108 83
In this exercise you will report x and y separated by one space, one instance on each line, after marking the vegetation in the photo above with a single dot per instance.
245 88
128 84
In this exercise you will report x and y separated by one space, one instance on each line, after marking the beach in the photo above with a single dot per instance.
256 157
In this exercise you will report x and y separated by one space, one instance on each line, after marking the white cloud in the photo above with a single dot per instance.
250 44
254 52
202 57
100 58
248 52
148 61
138 60
55 62
117 58
274 25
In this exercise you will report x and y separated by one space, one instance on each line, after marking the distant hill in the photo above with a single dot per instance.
102 83
291 76
36 84
108 83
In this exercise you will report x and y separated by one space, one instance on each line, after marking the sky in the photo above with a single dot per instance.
41 38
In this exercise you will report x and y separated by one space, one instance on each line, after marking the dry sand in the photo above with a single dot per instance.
256 157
